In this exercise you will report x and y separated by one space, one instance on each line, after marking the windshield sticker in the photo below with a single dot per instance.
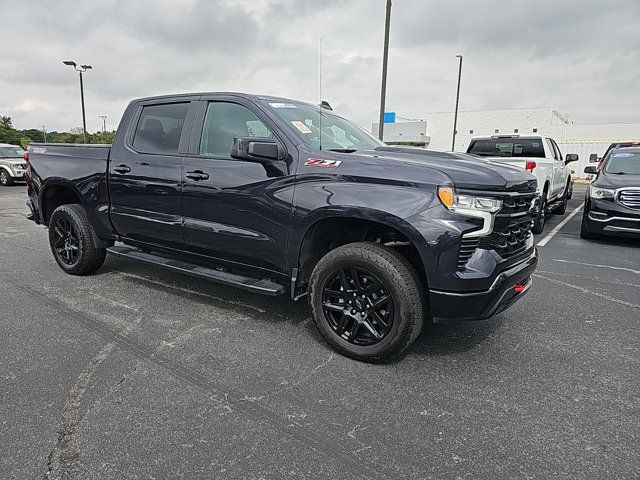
301 126
622 155
282 105
320 162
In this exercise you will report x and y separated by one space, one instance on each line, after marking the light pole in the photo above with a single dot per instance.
104 126
385 57
455 115
81 69
44 131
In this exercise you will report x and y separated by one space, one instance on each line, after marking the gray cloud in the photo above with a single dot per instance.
580 57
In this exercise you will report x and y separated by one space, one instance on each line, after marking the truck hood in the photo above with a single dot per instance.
466 171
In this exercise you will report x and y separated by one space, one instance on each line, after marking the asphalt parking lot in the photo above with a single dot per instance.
136 372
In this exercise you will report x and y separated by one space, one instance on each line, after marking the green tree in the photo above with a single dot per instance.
6 122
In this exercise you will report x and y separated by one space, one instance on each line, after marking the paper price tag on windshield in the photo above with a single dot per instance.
301 126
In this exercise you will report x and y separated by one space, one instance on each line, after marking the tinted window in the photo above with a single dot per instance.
551 149
556 149
225 121
320 128
507 147
623 162
160 127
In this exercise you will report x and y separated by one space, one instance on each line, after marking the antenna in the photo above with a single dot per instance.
320 88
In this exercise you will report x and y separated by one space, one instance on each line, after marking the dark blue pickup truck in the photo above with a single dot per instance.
279 196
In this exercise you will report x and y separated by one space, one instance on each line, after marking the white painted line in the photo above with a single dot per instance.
557 228
595 265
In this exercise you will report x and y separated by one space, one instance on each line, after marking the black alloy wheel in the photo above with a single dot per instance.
357 306
66 244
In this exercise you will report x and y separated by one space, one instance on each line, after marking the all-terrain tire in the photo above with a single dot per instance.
584 233
400 281
89 258
538 223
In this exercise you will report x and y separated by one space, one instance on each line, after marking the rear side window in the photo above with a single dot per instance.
160 127
225 121
502 147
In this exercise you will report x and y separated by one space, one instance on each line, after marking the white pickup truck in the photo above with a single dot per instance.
541 156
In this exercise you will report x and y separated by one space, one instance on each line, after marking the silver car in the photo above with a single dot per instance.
12 165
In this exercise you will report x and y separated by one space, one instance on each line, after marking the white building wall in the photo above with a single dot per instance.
583 139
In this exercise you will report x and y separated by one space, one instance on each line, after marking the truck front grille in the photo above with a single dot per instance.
630 198
511 231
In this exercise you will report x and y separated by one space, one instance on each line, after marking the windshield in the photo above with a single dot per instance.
322 129
623 162
507 147
11 152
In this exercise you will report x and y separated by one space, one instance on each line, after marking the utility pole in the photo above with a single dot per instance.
455 115
104 126
44 131
385 57
81 69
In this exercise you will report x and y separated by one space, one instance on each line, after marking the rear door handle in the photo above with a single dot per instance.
121 169
197 175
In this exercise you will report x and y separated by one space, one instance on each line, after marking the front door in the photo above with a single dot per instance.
145 176
235 211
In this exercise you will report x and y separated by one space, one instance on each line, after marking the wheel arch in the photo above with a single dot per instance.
329 229
55 193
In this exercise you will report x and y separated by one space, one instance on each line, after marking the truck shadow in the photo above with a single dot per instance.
437 339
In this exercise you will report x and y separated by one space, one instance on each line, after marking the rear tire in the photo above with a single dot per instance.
71 241
562 208
538 223
367 301
5 178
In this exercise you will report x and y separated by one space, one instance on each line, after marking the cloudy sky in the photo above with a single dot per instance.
579 56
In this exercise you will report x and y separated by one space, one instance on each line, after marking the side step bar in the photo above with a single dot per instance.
256 285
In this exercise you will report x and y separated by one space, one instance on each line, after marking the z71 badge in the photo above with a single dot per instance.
320 162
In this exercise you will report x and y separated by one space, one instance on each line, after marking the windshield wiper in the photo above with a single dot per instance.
617 173
342 150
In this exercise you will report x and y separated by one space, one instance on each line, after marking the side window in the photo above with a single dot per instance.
159 128
553 151
557 150
225 121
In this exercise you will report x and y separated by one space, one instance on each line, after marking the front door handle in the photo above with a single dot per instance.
197 175
121 169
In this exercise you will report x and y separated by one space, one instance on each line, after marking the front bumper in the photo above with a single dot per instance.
610 218
484 304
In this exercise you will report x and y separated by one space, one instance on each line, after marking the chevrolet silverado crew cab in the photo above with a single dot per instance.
539 155
283 197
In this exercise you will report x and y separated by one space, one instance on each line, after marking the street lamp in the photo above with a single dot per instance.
385 58
455 116
81 69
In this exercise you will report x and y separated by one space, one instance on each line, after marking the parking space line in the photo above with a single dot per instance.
595 265
557 228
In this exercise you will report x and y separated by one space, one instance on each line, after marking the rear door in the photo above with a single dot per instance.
558 167
235 211
145 173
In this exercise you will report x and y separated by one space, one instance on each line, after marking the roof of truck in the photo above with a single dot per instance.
252 96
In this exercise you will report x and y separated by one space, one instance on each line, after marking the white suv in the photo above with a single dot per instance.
12 165
541 156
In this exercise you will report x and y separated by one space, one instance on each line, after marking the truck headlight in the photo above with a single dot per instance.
457 202
597 192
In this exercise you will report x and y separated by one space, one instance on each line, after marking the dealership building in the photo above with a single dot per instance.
434 132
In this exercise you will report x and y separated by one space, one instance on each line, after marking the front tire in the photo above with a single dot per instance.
71 241
562 209
584 231
367 301
5 178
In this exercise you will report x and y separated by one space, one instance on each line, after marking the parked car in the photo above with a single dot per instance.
612 201
12 164
593 158
278 196
539 155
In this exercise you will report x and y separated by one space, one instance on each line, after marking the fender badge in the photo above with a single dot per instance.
320 162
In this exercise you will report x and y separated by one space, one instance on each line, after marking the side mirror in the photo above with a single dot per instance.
256 149
570 157
591 170
593 158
